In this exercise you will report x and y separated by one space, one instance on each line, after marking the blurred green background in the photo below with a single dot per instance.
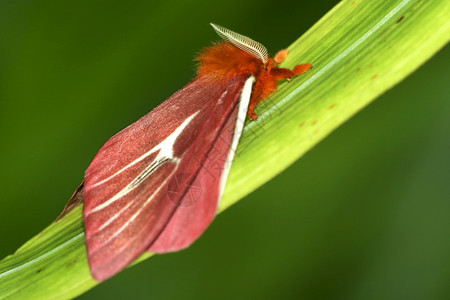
364 215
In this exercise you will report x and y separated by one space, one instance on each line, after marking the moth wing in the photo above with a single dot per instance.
127 199
197 208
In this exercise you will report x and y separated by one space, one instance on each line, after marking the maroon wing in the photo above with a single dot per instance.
143 176
198 205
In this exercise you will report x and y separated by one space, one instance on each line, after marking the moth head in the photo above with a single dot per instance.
242 42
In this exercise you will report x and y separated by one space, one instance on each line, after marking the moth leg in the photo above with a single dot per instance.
251 112
281 73
300 69
280 56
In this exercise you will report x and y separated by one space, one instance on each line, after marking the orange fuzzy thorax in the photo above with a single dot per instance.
224 60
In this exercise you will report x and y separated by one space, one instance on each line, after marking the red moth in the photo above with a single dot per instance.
155 185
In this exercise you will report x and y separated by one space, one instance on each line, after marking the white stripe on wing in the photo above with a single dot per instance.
165 153
242 112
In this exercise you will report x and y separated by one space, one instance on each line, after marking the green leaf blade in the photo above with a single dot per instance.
354 62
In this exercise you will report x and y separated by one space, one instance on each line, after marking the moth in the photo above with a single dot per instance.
155 186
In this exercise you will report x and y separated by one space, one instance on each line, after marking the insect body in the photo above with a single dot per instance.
155 185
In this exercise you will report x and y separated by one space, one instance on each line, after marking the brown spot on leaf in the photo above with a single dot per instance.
301 124
401 19
332 106
374 77
71 263
358 69
314 122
